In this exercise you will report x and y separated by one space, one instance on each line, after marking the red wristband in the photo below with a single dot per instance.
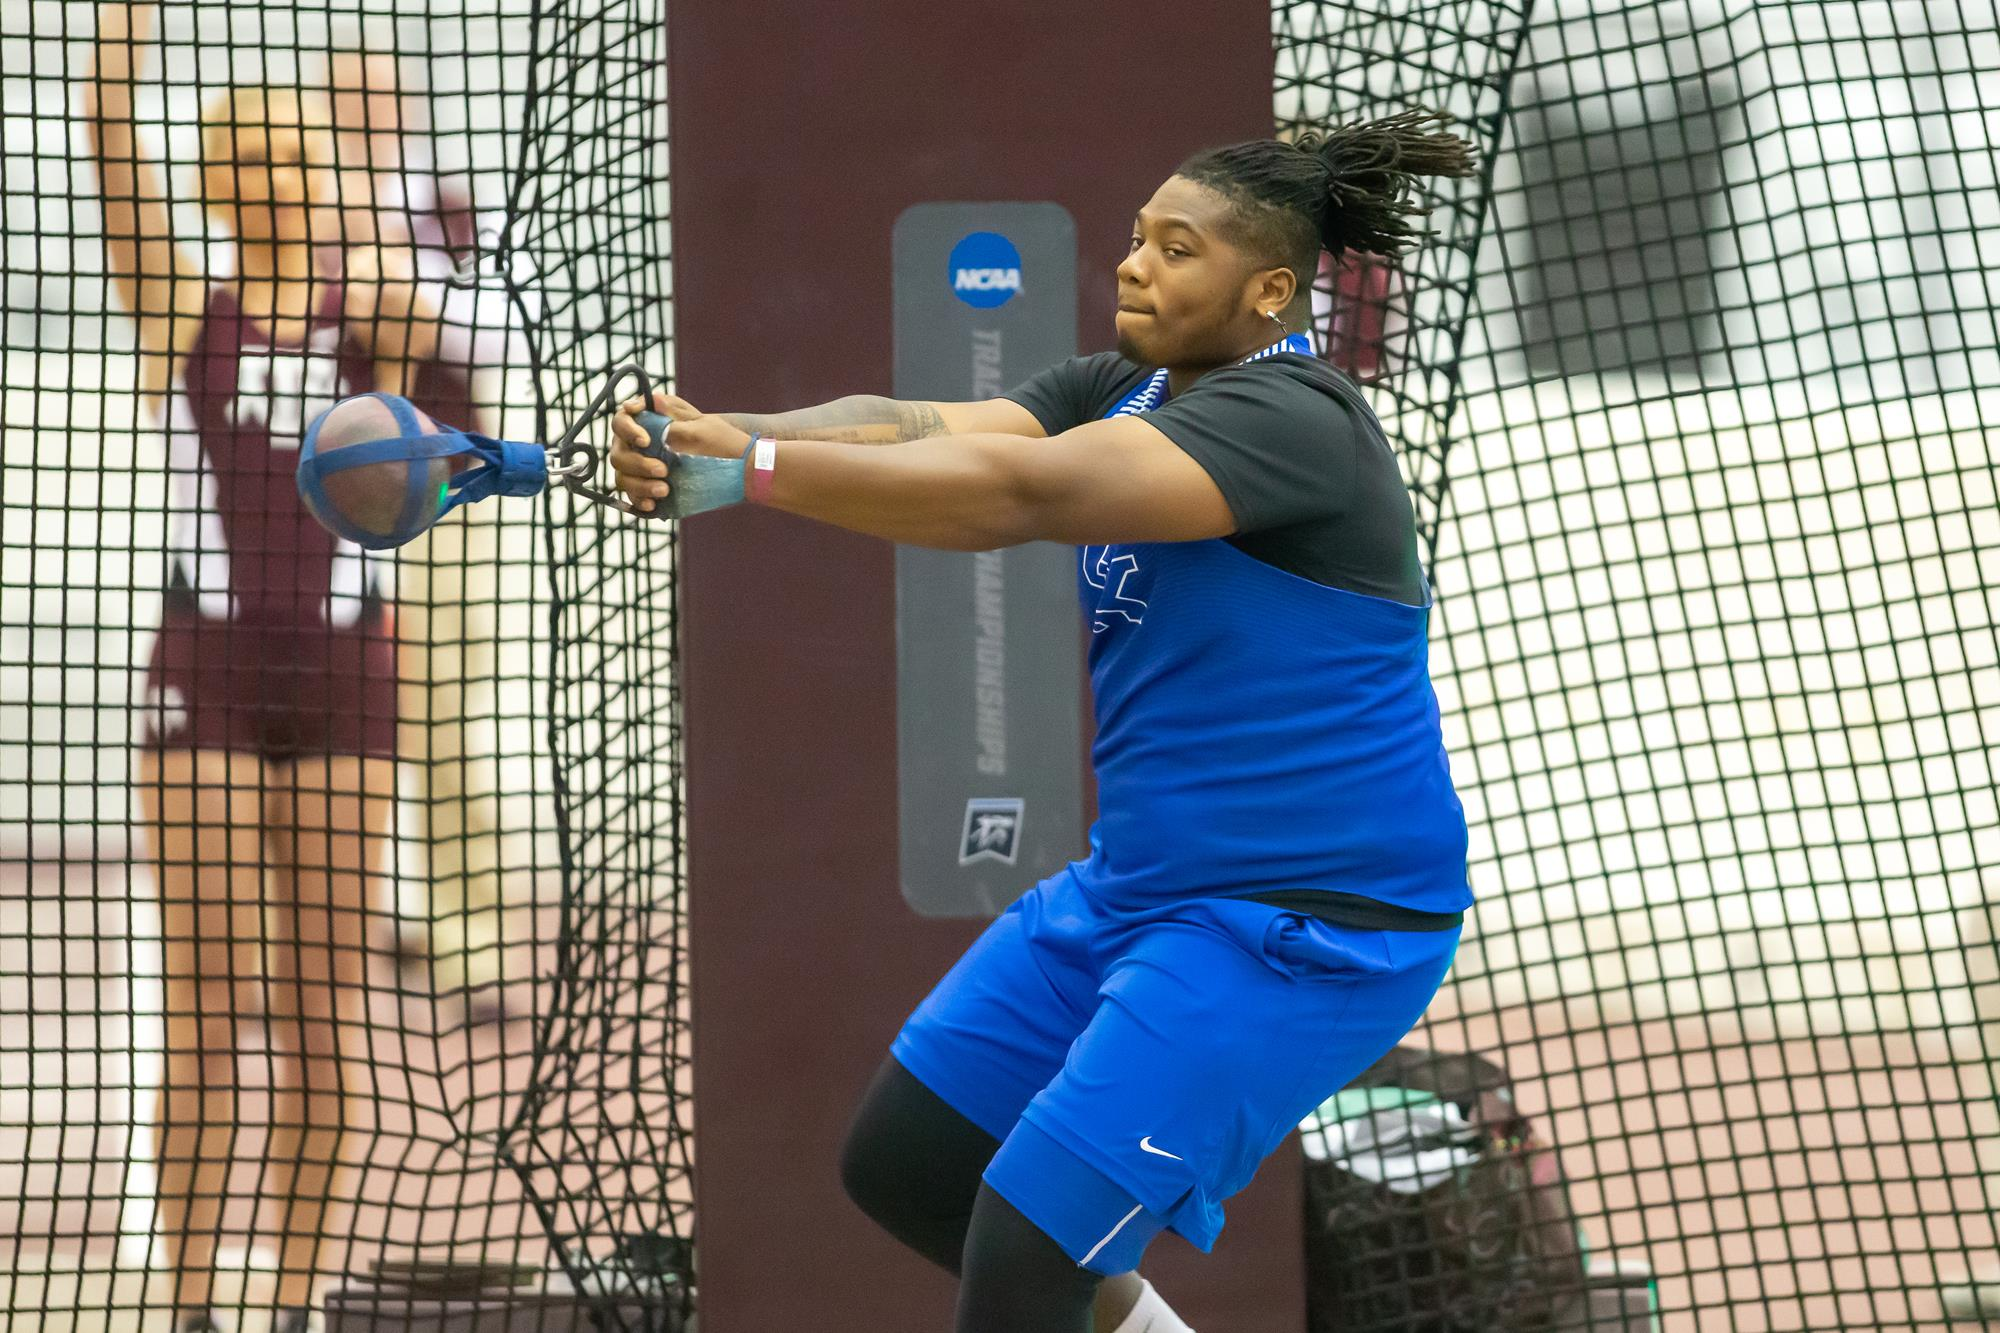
760 465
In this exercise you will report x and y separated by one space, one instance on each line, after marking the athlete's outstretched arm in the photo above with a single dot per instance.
856 419
871 419
161 283
1105 481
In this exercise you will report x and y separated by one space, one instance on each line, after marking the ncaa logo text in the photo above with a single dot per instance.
985 270
992 830
986 280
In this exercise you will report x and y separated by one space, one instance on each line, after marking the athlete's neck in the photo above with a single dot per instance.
1181 378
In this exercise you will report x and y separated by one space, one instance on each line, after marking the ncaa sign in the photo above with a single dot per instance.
985 270
987 669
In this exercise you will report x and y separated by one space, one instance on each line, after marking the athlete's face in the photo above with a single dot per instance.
1188 296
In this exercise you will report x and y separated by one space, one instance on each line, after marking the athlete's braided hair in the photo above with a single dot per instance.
1347 188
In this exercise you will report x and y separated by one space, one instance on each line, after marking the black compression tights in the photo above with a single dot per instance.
913 1164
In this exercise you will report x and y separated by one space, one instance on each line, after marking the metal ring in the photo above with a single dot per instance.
562 471
466 271
575 461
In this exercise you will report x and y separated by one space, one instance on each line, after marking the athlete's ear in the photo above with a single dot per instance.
1272 289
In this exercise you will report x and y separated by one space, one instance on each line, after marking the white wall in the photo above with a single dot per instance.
1722 691
1717 648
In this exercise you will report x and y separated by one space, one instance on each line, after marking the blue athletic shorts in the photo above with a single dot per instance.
1137 1066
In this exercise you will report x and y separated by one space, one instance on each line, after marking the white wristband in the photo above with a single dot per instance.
760 468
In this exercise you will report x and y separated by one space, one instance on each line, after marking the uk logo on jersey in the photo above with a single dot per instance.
1113 573
992 830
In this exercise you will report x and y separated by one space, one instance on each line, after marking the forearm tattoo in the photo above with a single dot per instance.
858 419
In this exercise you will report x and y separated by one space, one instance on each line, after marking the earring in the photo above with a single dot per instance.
1272 315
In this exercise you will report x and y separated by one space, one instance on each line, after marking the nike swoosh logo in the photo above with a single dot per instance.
1146 1145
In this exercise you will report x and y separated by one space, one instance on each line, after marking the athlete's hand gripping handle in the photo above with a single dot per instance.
700 467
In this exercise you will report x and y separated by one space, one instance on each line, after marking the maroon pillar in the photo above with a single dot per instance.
800 132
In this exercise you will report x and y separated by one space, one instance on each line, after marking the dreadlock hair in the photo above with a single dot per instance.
1347 188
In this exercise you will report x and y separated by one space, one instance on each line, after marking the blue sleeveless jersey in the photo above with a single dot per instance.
1258 731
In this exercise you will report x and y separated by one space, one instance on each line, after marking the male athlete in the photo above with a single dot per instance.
1276 881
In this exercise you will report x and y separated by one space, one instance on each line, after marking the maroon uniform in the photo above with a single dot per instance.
275 638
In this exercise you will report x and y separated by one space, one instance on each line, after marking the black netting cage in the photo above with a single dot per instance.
341 904
1697 393
340 899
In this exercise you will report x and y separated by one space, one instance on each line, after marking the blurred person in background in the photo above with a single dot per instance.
387 186
392 191
266 767
446 595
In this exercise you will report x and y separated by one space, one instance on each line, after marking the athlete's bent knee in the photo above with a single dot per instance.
912 1164
864 1159
1018 1280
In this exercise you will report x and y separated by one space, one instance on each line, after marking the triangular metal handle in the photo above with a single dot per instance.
575 461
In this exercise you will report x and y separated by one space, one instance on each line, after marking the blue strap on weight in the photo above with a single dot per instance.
506 467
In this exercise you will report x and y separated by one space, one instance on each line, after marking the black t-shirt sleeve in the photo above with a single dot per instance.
1279 447
1071 392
